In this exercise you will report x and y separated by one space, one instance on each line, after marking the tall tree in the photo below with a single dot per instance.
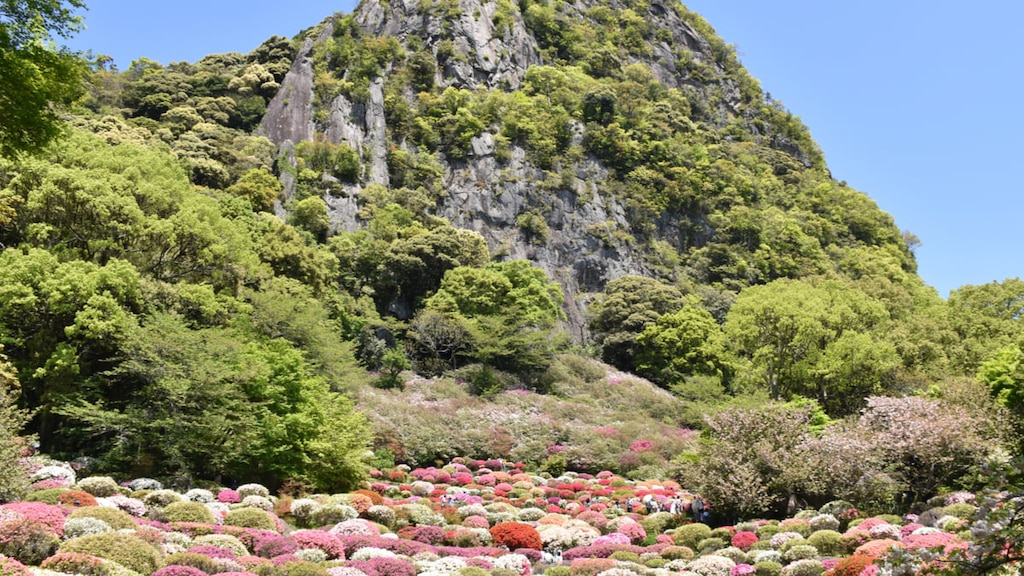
35 76
822 339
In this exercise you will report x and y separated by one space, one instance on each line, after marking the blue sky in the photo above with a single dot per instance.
915 103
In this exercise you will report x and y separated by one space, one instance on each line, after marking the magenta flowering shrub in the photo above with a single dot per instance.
355 527
428 534
742 570
275 546
212 551
641 446
476 522
615 538
177 570
329 543
396 545
228 496
383 567
486 480
599 551
634 531
284 559
52 516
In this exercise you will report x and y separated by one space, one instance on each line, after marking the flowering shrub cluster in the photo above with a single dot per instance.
513 523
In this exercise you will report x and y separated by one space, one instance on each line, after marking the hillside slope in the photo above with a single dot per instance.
594 138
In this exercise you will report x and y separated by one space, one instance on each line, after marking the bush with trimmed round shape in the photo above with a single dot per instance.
625 556
331 514
733 553
250 518
275 546
11 567
125 549
253 489
690 535
49 496
194 559
52 516
76 527
188 511
711 566
824 522
161 498
260 502
852 565
75 563
225 541
516 535
117 519
99 486
178 570
677 553
827 542
800 552
76 499
804 567
27 540
767 568
744 540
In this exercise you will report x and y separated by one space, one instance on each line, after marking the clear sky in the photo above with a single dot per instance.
916 103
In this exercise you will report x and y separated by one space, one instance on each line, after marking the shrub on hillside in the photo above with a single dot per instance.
805 567
250 518
27 540
275 546
117 519
125 549
193 559
188 511
516 535
99 486
52 516
226 541
744 540
852 565
76 527
178 570
767 568
711 566
690 535
49 496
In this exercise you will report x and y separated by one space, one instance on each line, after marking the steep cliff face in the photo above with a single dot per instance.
399 78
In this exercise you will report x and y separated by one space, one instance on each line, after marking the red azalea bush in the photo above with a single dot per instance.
744 540
516 535
76 498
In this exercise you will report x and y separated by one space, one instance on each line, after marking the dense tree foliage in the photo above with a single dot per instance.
36 78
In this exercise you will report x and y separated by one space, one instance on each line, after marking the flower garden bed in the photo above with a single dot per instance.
468 518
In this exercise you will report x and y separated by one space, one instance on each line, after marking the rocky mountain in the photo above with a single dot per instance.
595 138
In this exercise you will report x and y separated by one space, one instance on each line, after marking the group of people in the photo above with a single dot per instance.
675 505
